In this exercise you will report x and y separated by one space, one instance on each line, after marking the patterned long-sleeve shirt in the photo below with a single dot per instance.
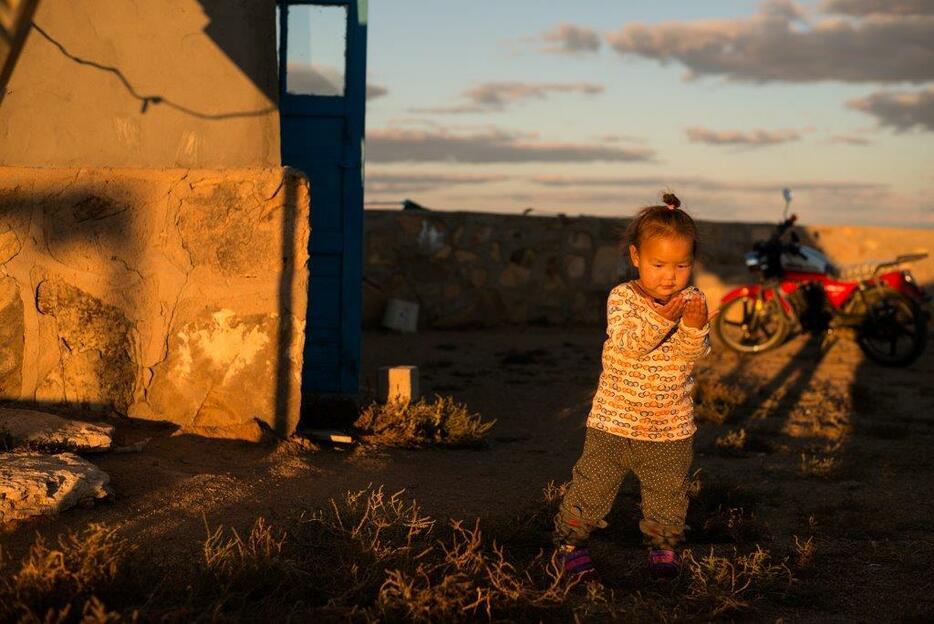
646 384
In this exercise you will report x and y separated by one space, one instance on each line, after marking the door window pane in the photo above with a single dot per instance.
317 48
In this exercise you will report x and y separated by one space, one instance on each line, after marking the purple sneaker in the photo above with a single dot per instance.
664 564
577 563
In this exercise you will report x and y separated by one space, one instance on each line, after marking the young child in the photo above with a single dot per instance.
642 414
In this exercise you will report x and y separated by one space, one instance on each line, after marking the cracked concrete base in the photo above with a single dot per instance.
33 484
39 429
175 295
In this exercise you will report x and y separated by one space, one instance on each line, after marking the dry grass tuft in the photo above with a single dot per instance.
715 401
815 465
723 584
734 440
249 567
721 513
735 525
53 582
442 422
371 556
804 551
470 578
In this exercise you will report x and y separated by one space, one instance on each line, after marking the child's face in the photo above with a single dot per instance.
665 264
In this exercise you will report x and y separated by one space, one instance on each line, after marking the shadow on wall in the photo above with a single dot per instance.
169 295
153 99
252 49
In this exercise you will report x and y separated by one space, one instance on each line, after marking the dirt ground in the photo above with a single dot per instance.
825 445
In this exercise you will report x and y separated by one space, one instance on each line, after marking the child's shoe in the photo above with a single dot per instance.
664 564
577 563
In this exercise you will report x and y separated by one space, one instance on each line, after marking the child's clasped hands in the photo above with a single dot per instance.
688 307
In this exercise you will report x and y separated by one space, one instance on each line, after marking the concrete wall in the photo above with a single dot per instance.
484 269
77 100
175 295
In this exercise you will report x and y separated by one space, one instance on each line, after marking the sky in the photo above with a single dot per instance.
597 107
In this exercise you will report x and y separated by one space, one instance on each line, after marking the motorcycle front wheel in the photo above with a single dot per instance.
894 329
751 325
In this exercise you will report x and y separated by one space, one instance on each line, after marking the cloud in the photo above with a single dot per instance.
752 138
490 146
496 96
879 7
374 91
689 185
499 94
621 138
847 139
902 110
778 44
571 39
386 182
460 109
304 78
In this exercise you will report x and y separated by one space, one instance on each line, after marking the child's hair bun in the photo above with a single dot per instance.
671 200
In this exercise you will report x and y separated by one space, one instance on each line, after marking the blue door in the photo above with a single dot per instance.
322 100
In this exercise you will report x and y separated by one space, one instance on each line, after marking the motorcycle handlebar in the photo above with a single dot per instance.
785 225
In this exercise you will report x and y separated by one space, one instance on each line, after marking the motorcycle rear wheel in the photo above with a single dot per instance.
894 330
751 325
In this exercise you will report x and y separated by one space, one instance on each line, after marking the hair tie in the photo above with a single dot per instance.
670 206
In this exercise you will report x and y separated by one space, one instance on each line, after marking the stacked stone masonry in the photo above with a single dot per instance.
174 295
477 269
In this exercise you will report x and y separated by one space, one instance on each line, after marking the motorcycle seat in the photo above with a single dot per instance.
859 271
866 270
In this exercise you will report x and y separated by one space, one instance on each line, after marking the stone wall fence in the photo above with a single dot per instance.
469 269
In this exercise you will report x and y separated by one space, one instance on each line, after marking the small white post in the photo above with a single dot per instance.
398 383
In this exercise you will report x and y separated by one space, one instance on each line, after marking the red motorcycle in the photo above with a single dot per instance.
799 289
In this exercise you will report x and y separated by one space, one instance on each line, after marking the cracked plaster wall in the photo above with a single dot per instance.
173 295
212 63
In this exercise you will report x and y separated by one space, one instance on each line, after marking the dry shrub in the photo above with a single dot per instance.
380 553
815 465
715 401
370 556
733 525
353 541
468 578
723 584
442 422
721 513
604 605
531 527
804 551
695 485
96 612
385 525
734 440
250 567
53 582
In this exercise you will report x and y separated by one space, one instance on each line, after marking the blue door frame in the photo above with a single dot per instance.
322 135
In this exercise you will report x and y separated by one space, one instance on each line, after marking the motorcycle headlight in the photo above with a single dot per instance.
753 263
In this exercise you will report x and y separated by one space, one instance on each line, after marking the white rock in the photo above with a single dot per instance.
48 430
33 484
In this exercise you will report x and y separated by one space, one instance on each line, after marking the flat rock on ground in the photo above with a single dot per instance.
33 484
32 428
